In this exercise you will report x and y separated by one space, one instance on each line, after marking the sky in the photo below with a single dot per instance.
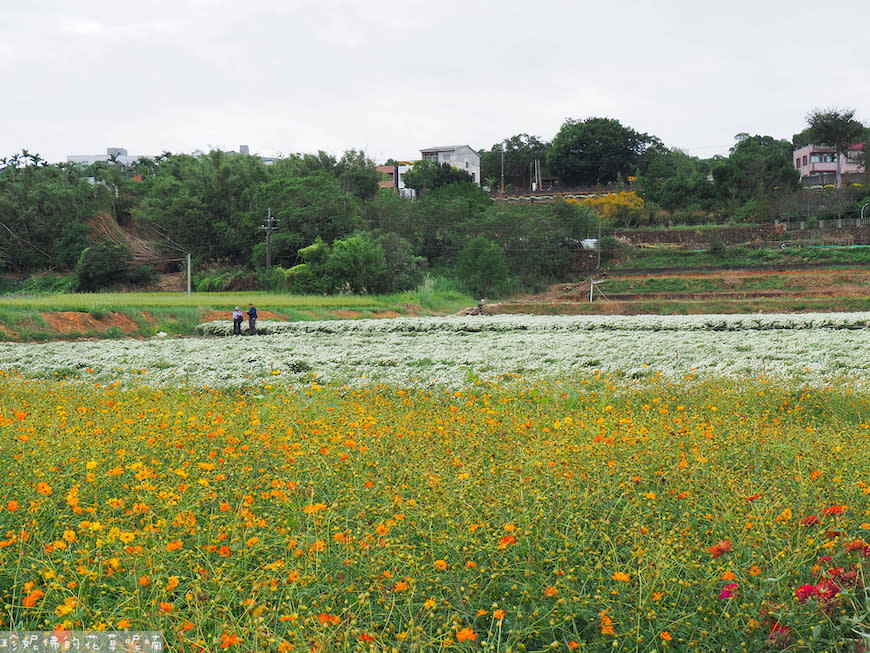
391 78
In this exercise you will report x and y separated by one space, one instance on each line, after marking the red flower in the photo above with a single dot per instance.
805 592
834 510
810 520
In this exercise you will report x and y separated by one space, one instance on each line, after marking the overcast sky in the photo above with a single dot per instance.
285 76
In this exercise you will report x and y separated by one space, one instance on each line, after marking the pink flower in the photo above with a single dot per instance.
728 591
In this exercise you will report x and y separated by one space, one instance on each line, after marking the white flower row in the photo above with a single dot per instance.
452 352
562 323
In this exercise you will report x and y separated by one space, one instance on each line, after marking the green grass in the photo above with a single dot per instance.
662 257
178 313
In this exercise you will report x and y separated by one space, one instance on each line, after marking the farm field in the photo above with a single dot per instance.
504 483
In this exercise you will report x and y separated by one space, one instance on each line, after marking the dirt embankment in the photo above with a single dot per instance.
74 325
67 322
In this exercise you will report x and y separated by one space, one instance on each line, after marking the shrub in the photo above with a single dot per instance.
481 266
103 265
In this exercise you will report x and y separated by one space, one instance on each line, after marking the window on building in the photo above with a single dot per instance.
805 159
430 156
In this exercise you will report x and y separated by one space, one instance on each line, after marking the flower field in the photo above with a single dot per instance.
452 352
316 490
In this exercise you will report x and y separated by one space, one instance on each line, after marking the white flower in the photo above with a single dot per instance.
452 352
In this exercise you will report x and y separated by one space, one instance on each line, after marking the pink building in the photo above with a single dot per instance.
817 164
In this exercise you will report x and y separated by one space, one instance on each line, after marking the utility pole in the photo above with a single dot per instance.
502 169
270 226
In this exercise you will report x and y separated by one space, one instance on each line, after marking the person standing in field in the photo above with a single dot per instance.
237 321
252 320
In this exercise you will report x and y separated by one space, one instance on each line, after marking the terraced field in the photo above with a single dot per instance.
717 291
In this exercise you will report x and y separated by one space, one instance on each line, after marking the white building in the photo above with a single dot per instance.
119 153
462 157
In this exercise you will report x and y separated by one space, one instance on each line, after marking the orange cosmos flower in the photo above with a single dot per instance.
440 565
12 506
621 576
122 624
174 545
498 615
722 546
666 636
506 541
466 634
166 607
228 640
754 570
606 624
328 619
31 599
550 591
144 580
728 575
172 583
401 586
43 488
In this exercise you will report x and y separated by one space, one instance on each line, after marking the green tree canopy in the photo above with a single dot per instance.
481 265
428 175
595 151
757 167
672 179
520 153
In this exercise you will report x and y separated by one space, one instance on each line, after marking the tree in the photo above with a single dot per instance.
595 151
428 175
102 265
481 265
837 129
520 153
671 179
306 208
757 167
357 175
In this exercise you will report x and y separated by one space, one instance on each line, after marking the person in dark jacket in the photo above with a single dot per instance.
252 320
